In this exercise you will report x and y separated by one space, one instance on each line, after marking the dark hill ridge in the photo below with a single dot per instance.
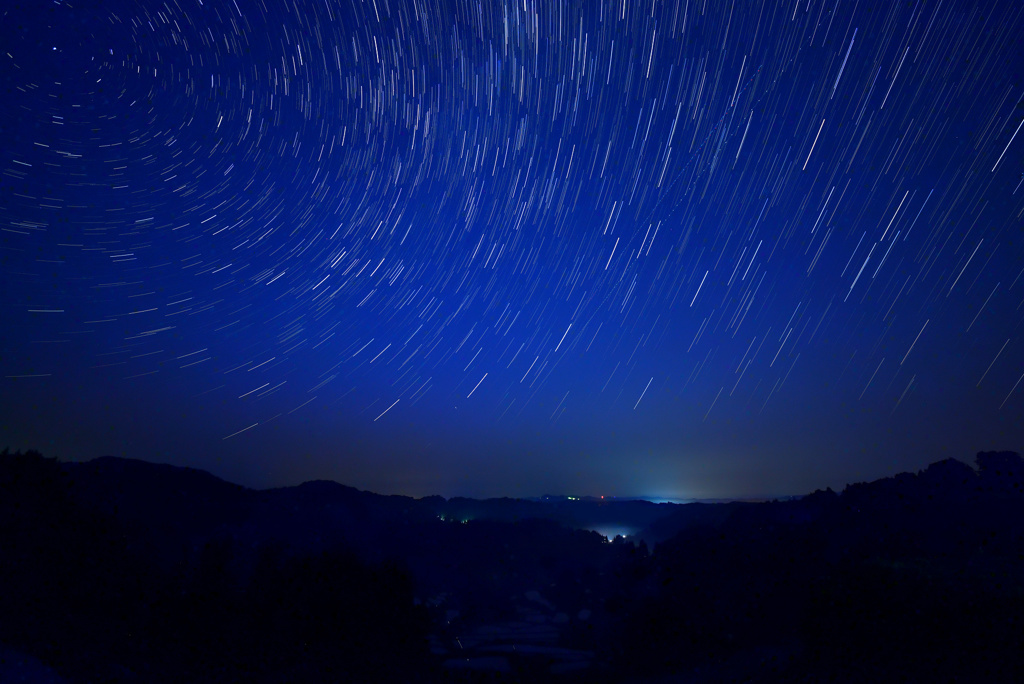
124 570
189 503
184 499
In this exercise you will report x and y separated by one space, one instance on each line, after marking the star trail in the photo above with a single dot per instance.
682 249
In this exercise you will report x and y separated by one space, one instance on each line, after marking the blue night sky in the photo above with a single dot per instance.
667 249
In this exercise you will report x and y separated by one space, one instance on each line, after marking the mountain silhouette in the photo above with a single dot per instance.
129 571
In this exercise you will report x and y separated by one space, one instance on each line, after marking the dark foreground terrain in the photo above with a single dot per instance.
124 571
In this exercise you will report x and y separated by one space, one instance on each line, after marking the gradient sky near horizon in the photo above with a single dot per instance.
667 249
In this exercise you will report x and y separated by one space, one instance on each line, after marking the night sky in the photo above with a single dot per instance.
663 249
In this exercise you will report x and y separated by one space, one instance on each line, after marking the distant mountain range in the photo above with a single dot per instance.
186 503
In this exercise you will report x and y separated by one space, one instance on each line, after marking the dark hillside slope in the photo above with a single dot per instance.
917 577
87 587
